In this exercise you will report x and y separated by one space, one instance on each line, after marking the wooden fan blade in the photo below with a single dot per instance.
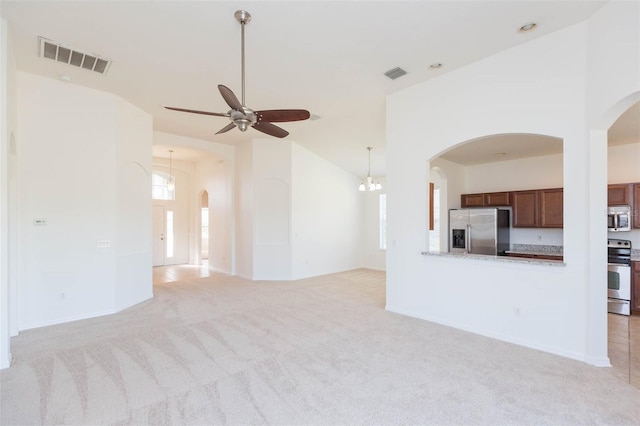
193 111
270 129
230 98
282 115
226 128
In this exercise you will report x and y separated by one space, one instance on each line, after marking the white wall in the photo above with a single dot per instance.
623 163
213 175
272 209
297 215
75 151
472 102
133 209
327 217
244 210
8 126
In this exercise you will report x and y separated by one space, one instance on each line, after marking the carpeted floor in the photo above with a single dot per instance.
223 350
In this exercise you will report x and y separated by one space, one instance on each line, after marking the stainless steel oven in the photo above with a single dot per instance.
619 276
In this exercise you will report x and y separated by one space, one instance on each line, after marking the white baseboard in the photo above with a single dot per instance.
67 319
598 362
6 364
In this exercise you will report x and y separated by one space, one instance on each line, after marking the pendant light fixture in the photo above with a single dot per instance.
171 184
368 184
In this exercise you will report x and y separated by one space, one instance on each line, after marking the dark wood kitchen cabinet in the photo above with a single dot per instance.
472 200
635 288
540 208
619 194
526 209
551 207
636 206
490 199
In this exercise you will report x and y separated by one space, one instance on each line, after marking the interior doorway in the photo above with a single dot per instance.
159 242
204 227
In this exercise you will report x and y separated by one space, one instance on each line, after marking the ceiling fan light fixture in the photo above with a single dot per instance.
242 124
243 117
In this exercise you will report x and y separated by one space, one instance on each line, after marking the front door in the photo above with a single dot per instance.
159 241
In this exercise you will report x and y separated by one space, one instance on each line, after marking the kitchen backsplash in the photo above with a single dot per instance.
538 248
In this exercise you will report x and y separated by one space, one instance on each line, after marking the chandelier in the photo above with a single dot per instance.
171 184
367 184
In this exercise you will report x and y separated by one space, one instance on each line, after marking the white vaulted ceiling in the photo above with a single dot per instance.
325 56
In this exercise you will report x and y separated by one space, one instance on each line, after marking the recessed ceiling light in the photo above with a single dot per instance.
435 66
527 27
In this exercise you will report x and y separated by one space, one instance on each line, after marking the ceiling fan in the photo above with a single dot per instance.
243 117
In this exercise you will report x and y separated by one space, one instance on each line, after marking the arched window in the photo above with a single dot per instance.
159 189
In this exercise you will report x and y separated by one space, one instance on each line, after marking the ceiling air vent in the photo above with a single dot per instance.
395 73
66 55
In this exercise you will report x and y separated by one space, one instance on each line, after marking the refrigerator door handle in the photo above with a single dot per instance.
468 238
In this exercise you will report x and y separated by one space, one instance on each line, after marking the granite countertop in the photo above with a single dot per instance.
526 260
527 249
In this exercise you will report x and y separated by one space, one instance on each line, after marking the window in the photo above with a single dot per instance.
169 233
159 190
383 221
204 217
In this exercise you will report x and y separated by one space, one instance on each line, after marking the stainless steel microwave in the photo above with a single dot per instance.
619 218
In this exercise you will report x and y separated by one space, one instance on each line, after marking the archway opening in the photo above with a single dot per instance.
508 164
623 296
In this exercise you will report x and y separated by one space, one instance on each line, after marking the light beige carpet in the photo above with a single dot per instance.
222 350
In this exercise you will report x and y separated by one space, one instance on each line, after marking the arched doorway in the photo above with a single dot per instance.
623 157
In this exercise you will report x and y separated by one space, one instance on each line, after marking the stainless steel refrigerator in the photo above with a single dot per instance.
479 231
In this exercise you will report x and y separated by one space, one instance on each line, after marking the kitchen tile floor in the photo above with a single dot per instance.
624 347
165 274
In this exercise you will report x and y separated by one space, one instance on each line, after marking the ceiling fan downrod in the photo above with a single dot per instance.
243 17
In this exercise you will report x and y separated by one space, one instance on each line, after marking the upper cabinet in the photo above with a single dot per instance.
636 209
472 200
619 194
526 209
551 207
541 208
490 199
